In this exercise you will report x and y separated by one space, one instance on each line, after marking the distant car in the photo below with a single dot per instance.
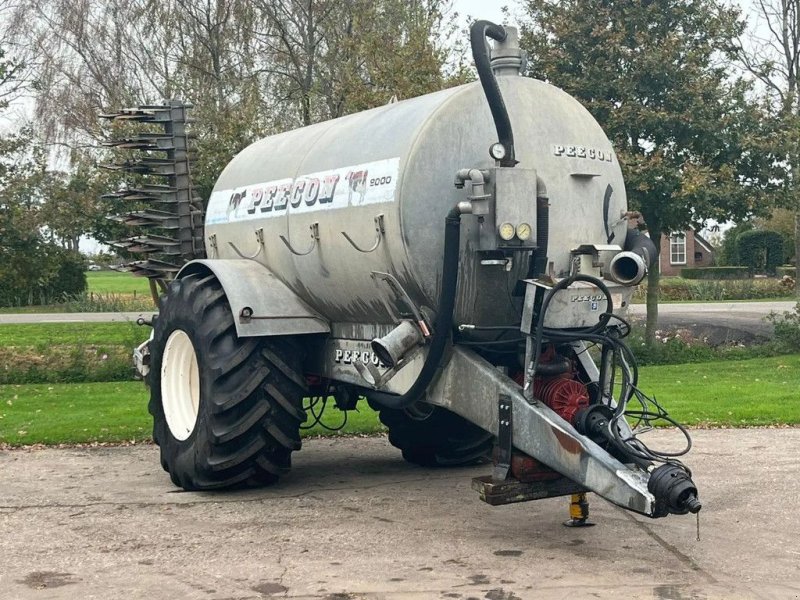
94 267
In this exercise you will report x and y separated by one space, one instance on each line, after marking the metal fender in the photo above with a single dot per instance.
261 303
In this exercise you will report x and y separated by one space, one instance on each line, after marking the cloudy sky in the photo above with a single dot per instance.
481 9
491 9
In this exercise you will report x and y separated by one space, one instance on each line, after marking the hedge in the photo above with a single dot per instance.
786 270
40 274
716 273
760 250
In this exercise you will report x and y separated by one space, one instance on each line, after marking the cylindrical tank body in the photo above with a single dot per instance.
398 162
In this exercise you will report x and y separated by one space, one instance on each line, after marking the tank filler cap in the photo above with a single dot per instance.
507 57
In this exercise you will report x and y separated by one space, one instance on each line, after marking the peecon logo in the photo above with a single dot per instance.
582 152
354 185
277 196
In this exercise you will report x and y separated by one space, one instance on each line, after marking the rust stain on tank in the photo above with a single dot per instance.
567 442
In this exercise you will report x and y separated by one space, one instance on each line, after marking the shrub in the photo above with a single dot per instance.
715 273
40 274
70 278
786 270
729 253
787 328
680 346
760 250
79 363
676 289
48 354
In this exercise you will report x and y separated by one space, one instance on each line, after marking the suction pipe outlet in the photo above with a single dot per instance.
627 268
392 347
630 266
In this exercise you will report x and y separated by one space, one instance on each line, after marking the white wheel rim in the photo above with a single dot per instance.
180 384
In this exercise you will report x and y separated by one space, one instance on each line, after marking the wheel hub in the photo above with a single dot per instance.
180 384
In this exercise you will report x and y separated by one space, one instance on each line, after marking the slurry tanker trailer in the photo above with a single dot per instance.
463 260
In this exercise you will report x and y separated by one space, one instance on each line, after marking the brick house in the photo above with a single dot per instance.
684 249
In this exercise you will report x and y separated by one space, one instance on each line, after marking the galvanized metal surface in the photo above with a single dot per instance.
261 304
580 305
172 224
400 161
353 361
470 386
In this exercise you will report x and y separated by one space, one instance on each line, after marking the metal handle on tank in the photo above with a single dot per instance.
314 227
378 229
259 239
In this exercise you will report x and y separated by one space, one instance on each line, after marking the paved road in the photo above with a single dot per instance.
353 521
747 314
100 317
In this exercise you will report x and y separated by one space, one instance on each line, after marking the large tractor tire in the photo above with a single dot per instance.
432 436
226 410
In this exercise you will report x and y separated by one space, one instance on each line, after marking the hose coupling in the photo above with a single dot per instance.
674 490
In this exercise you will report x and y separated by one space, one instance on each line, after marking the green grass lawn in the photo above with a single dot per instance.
68 352
114 282
109 412
760 391
735 394
55 334
108 291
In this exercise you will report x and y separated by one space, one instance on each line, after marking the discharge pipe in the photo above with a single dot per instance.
478 33
444 317
631 265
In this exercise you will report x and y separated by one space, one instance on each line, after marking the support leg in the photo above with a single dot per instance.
578 511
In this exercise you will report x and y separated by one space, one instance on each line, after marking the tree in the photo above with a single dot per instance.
760 250
728 255
781 220
250 68
653 74
774 59
32 270
72 205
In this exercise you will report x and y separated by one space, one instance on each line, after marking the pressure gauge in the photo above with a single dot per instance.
497 151
507 231
523 231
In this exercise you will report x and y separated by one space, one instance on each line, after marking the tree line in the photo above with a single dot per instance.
699 99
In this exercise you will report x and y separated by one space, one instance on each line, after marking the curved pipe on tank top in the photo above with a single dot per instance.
478 33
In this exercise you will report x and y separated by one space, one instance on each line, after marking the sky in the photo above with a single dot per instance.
491 9
482 9
468 11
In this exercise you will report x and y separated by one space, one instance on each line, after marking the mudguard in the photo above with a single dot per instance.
261 303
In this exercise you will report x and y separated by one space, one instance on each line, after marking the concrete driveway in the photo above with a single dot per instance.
354 521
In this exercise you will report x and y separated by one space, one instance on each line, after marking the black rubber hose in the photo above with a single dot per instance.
478 33
562 285
638 243
443 325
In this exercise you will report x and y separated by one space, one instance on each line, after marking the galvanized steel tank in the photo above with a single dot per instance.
393 168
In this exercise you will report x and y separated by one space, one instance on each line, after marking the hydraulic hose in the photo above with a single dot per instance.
562 285
444 321
478 33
